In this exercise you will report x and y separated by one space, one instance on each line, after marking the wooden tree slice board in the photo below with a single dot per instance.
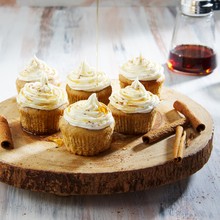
129 165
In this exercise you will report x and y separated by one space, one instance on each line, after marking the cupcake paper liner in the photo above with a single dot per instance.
135 123
153 86
83 141
76 95
40 122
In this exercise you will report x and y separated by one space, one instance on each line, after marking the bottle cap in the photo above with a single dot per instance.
196 7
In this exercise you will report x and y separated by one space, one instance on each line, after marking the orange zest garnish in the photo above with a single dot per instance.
103 109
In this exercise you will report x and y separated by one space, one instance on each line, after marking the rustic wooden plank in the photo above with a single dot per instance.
136 166
7 2
93 2
194 198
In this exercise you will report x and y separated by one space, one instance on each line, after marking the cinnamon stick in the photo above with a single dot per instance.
5 134
182 108
178 135
163 132
181 148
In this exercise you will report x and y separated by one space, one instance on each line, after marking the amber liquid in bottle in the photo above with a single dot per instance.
192 59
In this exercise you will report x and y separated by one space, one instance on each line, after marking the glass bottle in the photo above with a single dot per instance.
192 47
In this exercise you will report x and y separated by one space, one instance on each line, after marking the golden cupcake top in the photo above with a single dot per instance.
90 114
142 68
42 95
87 79
34 70
134 99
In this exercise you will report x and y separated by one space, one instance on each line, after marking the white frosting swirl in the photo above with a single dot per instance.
145 70
42 95
87 79
33 71
134 99
89 114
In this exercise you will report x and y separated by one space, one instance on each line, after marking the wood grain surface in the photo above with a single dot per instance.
63 36
130 165
93 2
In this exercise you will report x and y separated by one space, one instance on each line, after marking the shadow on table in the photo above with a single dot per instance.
173 78
152 202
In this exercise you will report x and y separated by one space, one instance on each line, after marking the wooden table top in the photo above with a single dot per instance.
65 36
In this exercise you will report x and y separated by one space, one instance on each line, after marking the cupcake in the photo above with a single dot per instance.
133 109
87 127
85 81
40 106
33 72
148 72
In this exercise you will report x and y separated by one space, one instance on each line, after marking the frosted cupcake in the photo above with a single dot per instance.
40 106
133 109
33 72
87 127
148 72
84 81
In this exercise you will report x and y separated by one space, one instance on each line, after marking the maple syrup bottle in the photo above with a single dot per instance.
192 48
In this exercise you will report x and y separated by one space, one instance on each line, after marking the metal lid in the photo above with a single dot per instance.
196 7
